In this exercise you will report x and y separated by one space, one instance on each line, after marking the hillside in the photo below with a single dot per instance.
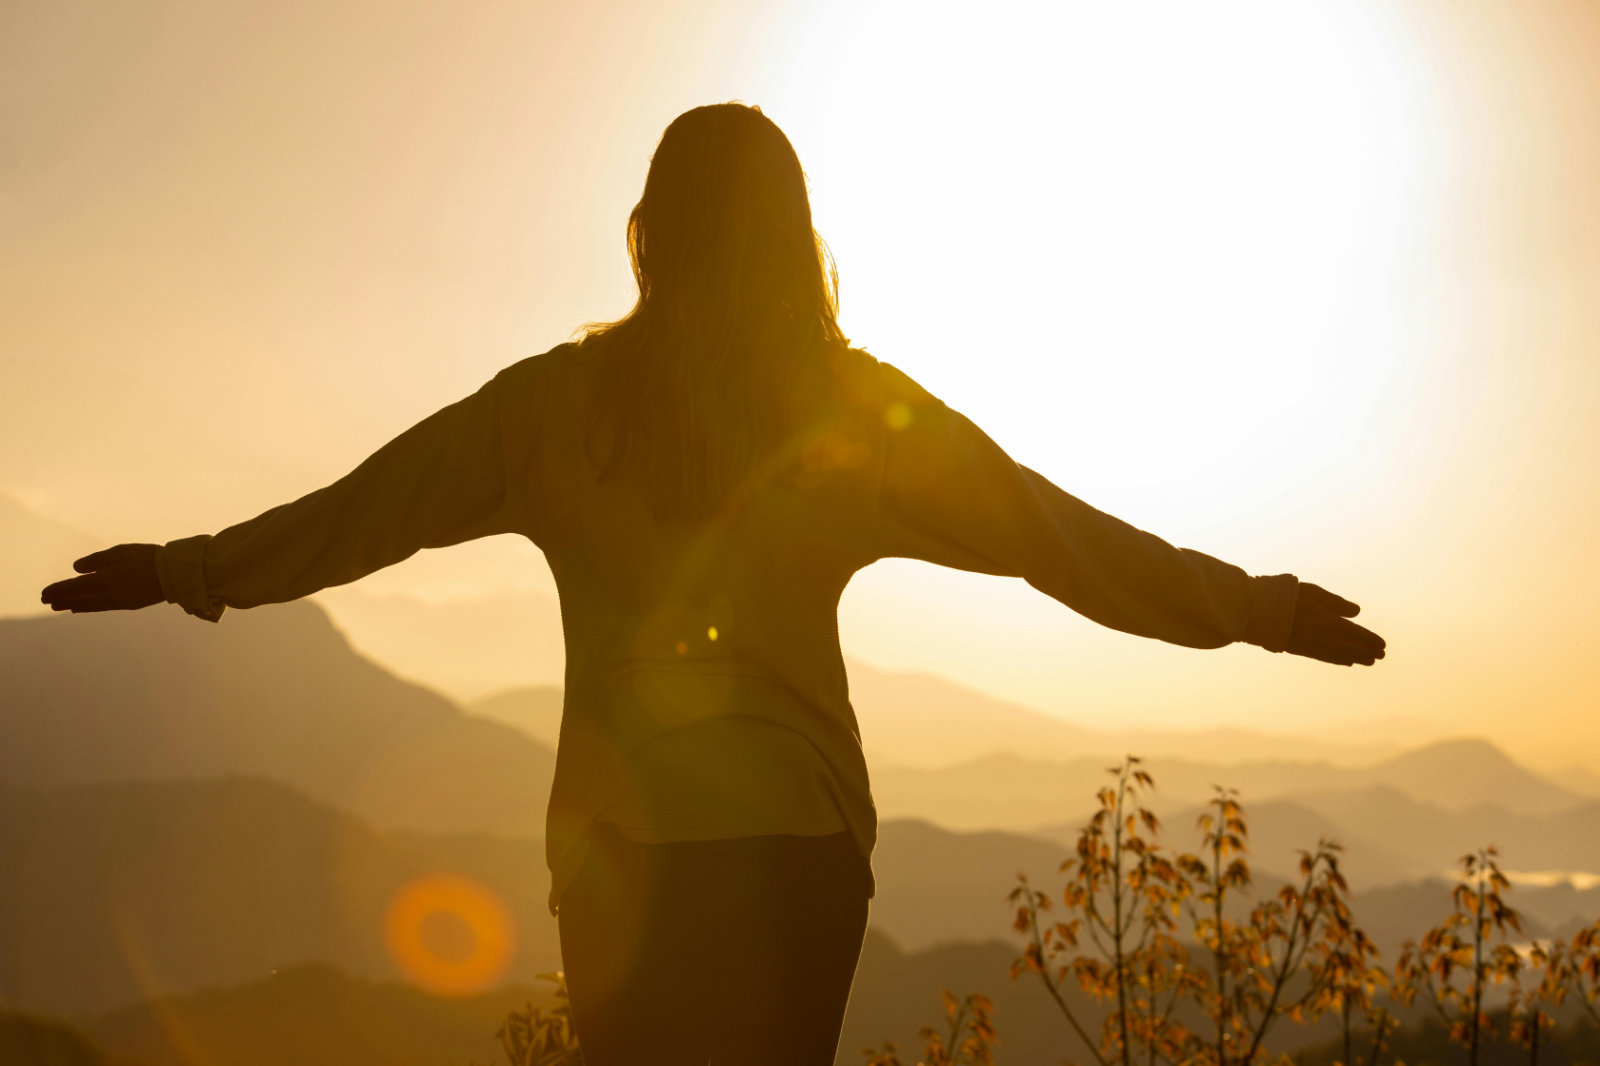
925 721
113 892
461 647
30 1040
312 1015
315 1015
1433 838
274 692
118 892
535 710
1004 791
1466 774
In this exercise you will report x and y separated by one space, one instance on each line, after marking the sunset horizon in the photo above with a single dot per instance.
1308 291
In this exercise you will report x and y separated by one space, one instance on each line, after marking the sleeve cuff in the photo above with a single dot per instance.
181 566
1272 604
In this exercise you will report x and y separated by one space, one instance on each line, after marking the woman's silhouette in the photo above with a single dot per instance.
704 476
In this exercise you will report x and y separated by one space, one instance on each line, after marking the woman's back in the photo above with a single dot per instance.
702 653
790 532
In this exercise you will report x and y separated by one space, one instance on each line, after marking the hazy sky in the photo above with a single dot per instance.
1311 287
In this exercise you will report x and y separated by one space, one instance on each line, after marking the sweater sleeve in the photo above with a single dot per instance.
445 480
952 496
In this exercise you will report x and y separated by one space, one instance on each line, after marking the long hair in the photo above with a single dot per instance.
736 293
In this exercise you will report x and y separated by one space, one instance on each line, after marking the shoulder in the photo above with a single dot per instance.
876 387
541 367
530 385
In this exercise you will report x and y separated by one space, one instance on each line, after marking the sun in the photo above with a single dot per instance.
1153 249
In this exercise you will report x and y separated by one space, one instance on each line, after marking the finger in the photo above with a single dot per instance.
53 590
97 560
1339 641
1354 653
1338 604
1342 653
62 593
1346 642
91 592
1358 634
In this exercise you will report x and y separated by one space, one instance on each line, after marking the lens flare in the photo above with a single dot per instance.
411 924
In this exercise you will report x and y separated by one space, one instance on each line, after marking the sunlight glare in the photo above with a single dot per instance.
1148 247
478 942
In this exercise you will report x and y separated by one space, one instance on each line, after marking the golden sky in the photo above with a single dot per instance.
1310 287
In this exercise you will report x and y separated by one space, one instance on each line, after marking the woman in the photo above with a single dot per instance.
704 476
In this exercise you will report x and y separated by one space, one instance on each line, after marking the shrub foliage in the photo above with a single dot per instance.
1188 966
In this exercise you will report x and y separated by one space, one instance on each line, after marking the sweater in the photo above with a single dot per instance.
708 640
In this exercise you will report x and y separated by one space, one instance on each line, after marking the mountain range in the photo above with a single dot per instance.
275 692
99 698
279 693
115 892
234 905
187 807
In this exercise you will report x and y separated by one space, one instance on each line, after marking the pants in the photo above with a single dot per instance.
731 952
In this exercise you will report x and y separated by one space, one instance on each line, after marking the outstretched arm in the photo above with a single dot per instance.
951 495
441 482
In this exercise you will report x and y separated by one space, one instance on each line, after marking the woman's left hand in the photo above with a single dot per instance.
122 578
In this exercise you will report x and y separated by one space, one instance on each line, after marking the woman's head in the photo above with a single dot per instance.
736 291
724 225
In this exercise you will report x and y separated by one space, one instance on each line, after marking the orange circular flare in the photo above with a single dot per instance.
420 903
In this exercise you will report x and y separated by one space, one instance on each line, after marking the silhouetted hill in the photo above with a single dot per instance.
897 993
1579 779
936 886
1433 839
465 647
275 692
312 1015
920 720
535 710
1469 773
37 550
30 1040
115 891
112 892
1003 791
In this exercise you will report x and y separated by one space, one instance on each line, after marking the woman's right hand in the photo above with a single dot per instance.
122 578
1322 630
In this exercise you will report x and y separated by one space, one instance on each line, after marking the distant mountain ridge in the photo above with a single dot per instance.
921 720
313 1013
212 897
535 710
276 692
112 892
1434 839
1005 791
